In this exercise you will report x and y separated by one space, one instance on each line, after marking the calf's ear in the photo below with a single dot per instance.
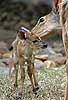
10 48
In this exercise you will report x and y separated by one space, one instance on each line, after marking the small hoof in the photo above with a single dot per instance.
19 98
37 88
20 93
34 91
15 85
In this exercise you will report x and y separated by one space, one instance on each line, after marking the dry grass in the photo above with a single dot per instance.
51 83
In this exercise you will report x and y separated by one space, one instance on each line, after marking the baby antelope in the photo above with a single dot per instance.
24 51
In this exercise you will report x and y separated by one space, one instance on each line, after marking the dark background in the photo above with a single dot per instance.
17 13
14 13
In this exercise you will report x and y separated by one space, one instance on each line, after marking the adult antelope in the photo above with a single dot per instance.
63 12
49 24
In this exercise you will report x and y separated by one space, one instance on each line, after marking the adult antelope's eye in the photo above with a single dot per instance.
41 20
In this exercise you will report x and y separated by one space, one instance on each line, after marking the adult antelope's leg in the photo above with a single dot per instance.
66 90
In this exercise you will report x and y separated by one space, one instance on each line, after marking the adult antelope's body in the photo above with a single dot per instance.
49 23
63 12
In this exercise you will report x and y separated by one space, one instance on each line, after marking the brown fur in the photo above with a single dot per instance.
55 4
24 53
63 12
41 27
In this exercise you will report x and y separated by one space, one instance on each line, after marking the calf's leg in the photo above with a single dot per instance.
22 62
16 74
22 74
31 73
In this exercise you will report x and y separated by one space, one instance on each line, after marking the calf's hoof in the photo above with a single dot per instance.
15 85
37 88
34 91
19 97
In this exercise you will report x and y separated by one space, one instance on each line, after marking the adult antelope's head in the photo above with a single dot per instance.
47 25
